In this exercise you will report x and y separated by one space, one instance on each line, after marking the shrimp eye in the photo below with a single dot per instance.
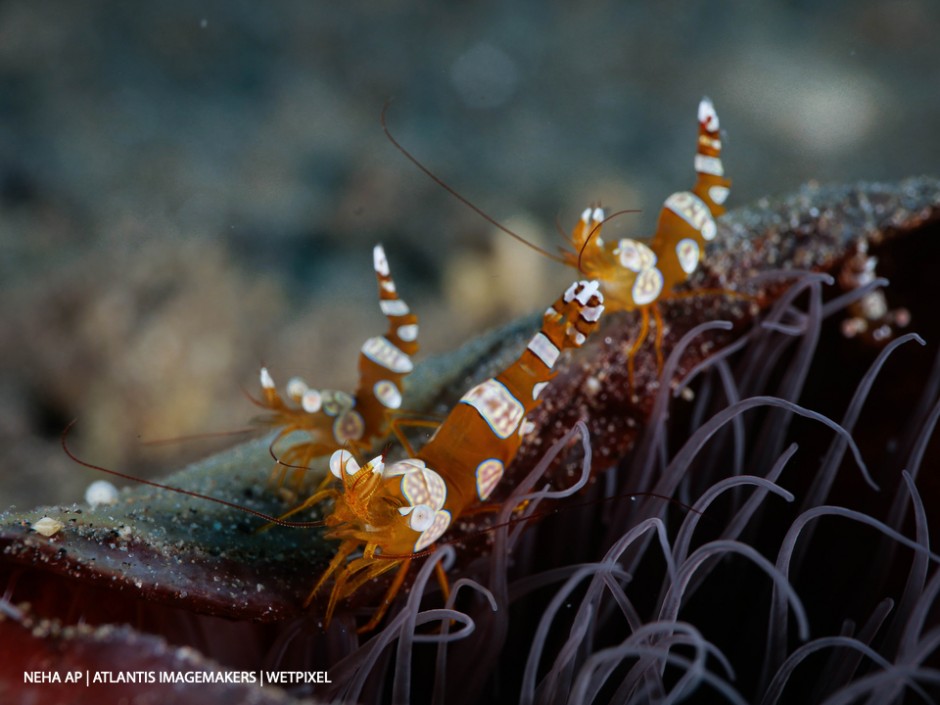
421 518
311 401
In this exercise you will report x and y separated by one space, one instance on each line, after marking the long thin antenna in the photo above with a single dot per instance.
463 199
261 515
280 462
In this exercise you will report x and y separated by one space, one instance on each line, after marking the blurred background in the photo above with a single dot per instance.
191 189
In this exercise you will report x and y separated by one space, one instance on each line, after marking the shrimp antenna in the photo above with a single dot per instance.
280 462
190 493
561 231
453 192
596 229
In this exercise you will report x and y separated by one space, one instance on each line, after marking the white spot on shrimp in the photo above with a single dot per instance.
266 381
296 388
424 486
634 255
408 332
341 459
488 475
311 401
719 194
497 406
383 353
647 287
379 261
687 252
544 349
709 165
394 307
421 518
349 426
387 394
707 114
588 289
436 530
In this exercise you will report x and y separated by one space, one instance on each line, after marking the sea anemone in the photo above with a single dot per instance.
756 530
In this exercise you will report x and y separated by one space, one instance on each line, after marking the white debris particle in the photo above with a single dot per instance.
47 526
101 492
592 385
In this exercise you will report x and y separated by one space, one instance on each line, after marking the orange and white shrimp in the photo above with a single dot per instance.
391 512
333 419
635 275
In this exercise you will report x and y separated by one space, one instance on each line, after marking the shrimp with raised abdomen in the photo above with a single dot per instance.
636 275
390 512
333 419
